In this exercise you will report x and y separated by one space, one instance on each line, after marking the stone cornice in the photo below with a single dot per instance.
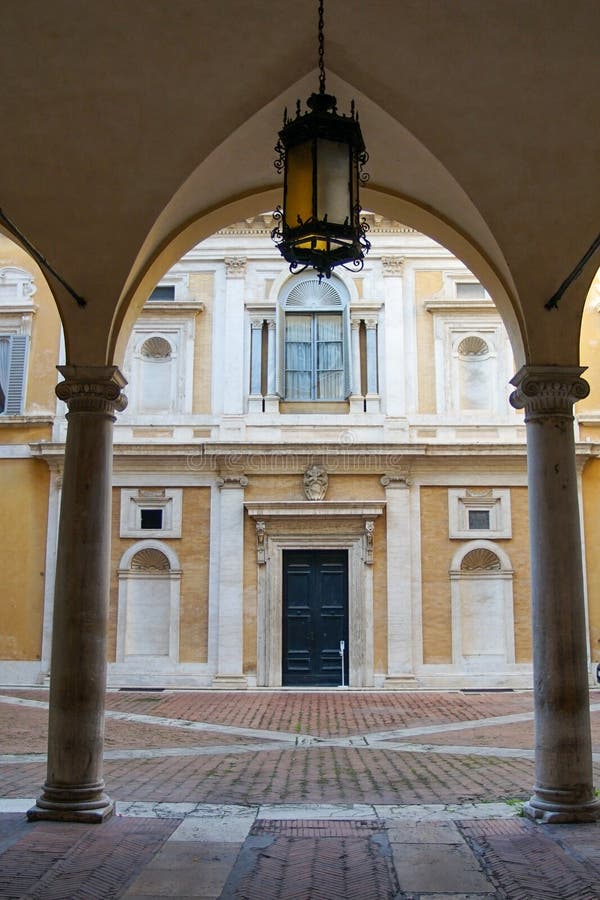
266 510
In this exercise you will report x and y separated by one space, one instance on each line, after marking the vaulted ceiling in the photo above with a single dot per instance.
132 128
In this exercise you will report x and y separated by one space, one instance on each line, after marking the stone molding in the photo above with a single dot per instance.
235 266
261 551
230 482
544 391
395 481
95 389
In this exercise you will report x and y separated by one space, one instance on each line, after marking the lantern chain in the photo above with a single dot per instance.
321 50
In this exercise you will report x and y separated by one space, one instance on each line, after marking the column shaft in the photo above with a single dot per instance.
74 788
564 789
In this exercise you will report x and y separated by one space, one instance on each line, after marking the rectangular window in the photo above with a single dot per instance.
151 518
163 292
314 356
469 290
479 519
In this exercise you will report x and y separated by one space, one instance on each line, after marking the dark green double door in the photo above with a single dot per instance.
315 617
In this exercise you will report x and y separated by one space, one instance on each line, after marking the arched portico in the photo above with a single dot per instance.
137 206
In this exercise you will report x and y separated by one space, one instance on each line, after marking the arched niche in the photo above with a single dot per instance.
148 606
481 587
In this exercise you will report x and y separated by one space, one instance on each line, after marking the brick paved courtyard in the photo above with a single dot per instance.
434 778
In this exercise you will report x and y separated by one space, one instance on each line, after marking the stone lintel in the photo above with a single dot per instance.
328 508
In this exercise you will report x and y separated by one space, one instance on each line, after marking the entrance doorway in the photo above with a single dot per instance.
315 617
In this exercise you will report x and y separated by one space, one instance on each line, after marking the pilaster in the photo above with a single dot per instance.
399 580
230 629
233 368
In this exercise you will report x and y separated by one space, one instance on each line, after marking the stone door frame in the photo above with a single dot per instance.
314 526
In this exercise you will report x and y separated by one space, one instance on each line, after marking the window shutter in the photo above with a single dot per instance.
16 375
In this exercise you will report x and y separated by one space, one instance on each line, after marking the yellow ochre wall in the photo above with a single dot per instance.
202 288
427 284
437 551
192 550
45 340
24 490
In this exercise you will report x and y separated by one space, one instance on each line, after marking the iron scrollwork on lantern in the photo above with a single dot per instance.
322 156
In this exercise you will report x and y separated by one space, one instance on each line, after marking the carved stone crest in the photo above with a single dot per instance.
316 481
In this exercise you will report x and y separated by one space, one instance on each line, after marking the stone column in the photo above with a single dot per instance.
230 629
74 788
255 400
372 398
271 400
356 397
564 789
399 580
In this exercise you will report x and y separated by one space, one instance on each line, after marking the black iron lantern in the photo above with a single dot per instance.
322 155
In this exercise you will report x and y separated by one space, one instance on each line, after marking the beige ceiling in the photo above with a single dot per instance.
125 123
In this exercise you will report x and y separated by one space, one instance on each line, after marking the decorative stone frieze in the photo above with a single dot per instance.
235 266
92 389
261 550
316 482
548 390
369 540
393 265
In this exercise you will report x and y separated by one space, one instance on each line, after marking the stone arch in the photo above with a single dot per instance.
394 207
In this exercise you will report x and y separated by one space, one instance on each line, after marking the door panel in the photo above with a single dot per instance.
315 616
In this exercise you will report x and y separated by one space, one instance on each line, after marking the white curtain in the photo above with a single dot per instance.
298 357
330 358
4 370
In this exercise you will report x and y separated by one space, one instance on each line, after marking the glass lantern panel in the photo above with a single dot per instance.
299 184
333 181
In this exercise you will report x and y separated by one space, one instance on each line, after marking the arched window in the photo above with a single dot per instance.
156 375
482 608
474 374
314 340
148 612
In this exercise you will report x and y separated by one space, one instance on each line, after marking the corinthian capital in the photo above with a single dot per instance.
92 389
548 390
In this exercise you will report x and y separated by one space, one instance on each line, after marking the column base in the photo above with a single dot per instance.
550 812
70 808
230 682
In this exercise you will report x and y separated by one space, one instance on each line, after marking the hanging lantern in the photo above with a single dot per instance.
322 155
